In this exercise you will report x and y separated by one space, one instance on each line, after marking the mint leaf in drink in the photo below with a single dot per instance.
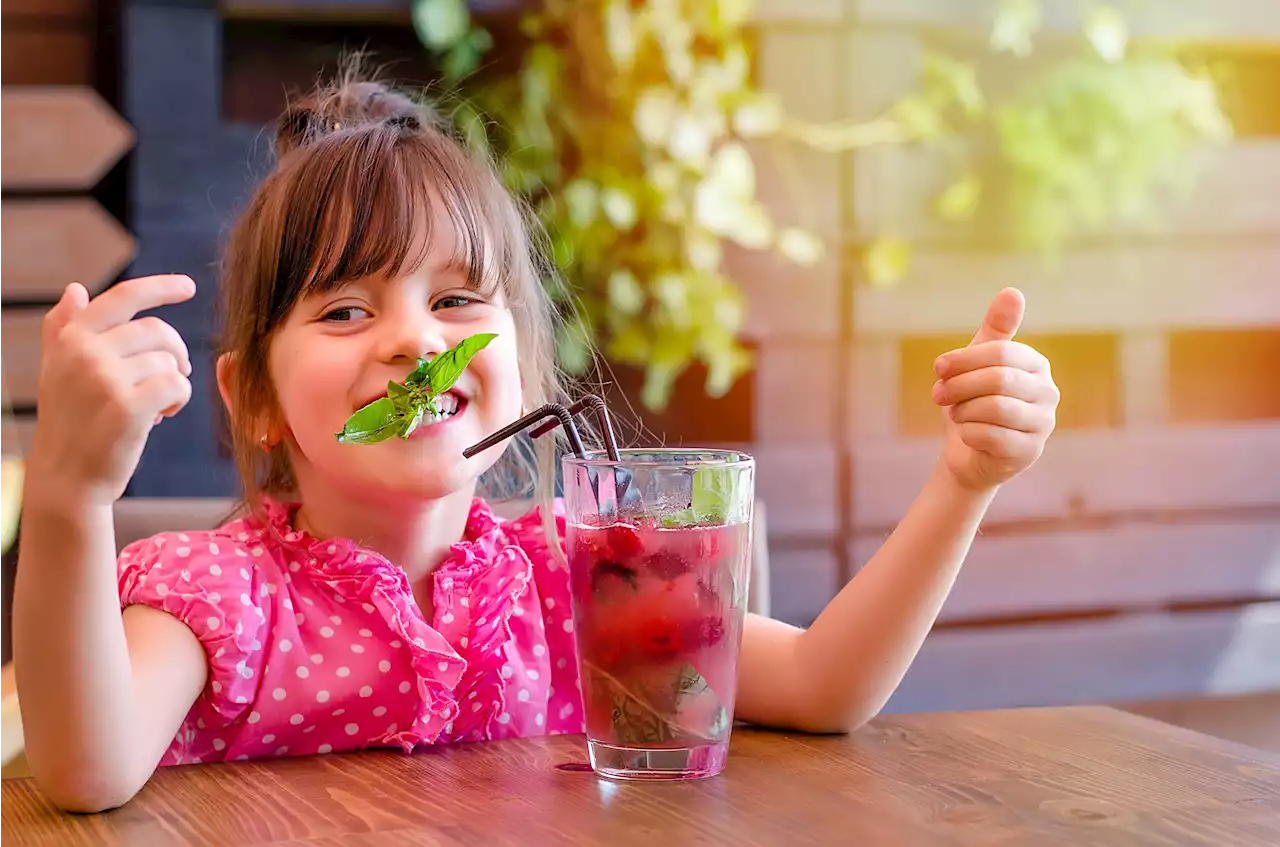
449 365
376 422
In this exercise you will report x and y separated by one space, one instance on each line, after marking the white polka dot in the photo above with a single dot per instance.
550 602
352 729
338 598
184 575
241 700
213 623
326 632
322 696
285 645
343 671
243 536
508 671
267 588
465 641
384 666
380 711
162 589
241 553
308 601
324 748
446 583
443 666
447 617
472 695
244 671
254 717
279 694
215 569
296 720
566 710
539 650
200 723
255 645
361 558
219 654
531 673
560 663
539 719
420 642
483 620
239 628
316 658
333 548
183 552
568 625
244 573
366 633
366 691
295 567
309 730
182 536
242 758
337 713
288 604
475 707
268 738
448 728
393 727
523 696
303 672
335 620
217 687
219 744
280 751
518 612
257 551
447 711
404 687
368 607
357 648
396 644
213 548
504 718
299 619
244 600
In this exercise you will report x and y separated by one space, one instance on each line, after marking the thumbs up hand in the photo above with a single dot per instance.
999 398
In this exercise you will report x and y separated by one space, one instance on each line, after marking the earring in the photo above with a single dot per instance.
265 443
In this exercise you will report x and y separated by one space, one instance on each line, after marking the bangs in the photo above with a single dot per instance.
368 202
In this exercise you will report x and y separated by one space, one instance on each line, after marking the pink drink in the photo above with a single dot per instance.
658 616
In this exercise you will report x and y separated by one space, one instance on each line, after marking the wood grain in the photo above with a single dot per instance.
1055 776
1092 472
1110 659
59 137
46 56
50 243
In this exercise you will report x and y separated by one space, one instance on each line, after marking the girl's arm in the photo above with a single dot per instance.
1000 401
102 694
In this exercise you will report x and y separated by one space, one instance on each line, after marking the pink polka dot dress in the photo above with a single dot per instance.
318 646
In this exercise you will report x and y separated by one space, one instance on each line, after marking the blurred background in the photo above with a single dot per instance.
771 216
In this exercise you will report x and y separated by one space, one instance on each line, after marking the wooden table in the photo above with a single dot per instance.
1078 776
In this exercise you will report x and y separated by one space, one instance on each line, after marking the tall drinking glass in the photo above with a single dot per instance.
659 548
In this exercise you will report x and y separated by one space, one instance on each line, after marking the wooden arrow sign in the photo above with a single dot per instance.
58 137
49 243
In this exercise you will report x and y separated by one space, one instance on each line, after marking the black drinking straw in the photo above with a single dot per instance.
597 405
551 410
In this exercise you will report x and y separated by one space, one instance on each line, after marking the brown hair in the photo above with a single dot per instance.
356 164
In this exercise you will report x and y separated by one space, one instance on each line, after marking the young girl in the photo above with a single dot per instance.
369 598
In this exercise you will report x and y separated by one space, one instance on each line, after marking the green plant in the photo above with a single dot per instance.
628 125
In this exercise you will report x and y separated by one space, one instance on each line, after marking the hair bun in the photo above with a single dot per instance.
348 104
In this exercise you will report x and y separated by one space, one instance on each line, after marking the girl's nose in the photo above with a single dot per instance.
409 334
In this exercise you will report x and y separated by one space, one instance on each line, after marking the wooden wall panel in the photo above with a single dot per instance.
46 56
1129 658
1094 472
1130 566
1238 21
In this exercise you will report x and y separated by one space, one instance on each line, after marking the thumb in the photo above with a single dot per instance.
1004 316
74 298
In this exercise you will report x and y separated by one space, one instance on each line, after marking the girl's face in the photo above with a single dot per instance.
336 351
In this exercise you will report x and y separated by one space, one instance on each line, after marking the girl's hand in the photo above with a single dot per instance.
999 398
105 380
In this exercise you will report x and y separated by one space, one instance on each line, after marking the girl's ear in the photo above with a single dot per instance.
225 364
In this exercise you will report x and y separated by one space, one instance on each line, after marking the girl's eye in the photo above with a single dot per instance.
345 313
453 301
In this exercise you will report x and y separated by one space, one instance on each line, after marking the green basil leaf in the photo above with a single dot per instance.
419 376
401 397
376 422
415 419
449 365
